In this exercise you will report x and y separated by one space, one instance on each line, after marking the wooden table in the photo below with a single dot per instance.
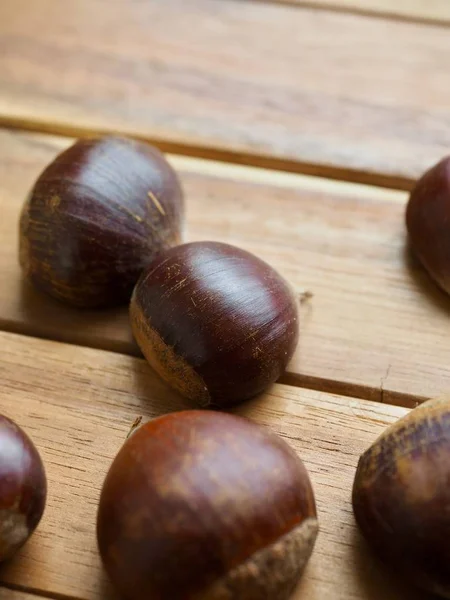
297 129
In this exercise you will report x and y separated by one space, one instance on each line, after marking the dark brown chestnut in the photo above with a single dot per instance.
96 217
205 505
428 222
216 322
23 488
401 496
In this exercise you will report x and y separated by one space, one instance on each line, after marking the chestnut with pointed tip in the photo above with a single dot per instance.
428 222
401 496
23 488
216 322
206 505
96 217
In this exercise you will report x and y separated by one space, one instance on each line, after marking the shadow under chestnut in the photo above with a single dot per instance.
429 288
106 591
376 580
155 396
48 318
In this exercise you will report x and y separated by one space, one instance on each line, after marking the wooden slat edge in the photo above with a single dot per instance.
18 592
422 15
352 390
283 179
188 148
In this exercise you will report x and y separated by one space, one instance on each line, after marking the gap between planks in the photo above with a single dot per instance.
11 591
224 80
211 153
436 13
233 171
315 383
353 390
292 379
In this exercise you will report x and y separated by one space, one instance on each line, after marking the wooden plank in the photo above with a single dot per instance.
8 594
376 327
435 11
250 82
78 405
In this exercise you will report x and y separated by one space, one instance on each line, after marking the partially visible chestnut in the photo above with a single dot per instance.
216 322
96 217
428 222
23 488
401 496
205 505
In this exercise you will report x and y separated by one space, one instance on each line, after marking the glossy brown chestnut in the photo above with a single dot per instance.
428 222
23 488
205 505
216 322
96 217
401 496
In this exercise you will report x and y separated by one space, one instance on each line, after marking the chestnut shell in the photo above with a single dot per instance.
23 488
216 322
401 496
206 505
428 222
96 217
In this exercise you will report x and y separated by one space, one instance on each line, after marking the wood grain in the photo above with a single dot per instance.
78 405
435 11
375 326
16 594
244 81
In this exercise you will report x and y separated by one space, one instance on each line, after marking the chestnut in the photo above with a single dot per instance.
401 496
23 488
205 505
216 322
96 217
428 222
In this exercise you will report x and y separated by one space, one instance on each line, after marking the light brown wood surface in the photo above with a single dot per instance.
346 89
437 11
376 327
8 594
78 405
256 82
